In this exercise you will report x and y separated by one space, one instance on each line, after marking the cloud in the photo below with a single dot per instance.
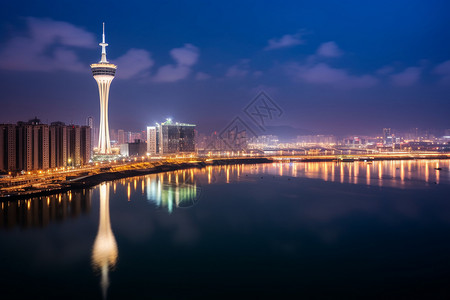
385 70
444 70
406 78
48 45
171 73
240 69
133 63
286 40
236 71
185 58
257 73
329 49
202 76
322 73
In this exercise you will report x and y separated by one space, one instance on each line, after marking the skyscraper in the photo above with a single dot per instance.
152 139
103 73
387 136
90 124
176 137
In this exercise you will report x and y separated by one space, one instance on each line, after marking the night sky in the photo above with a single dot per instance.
340 67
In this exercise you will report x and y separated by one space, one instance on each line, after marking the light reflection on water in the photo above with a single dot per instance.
183 188
43 211
180 189
104 251
398 174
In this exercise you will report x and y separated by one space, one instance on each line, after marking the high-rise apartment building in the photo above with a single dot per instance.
58 142
2 146
152 140
11 147
85 145
34 146
74 141
8 147
90 124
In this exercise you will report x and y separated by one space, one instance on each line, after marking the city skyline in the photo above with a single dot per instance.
362 74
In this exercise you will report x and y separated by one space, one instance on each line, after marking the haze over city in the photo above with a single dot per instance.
334 68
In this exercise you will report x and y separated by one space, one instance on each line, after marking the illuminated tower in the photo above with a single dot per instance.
103 73
104 252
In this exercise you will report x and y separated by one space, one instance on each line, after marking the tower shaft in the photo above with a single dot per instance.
104 143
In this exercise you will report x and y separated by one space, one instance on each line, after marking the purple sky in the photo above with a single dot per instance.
342 68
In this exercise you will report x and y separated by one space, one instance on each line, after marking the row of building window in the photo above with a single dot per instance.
28 146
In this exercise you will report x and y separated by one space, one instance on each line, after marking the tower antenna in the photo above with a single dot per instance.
103 44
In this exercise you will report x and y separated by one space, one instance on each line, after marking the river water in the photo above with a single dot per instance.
320 230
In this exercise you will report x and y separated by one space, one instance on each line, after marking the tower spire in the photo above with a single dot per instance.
103 44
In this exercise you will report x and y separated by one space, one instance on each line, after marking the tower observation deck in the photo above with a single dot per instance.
103 73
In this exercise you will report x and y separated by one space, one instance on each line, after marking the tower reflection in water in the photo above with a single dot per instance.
174 189
104 252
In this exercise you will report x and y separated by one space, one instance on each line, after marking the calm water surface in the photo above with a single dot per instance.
285 231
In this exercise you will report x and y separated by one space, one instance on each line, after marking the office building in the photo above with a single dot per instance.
176 138
138 148
387 137
171 138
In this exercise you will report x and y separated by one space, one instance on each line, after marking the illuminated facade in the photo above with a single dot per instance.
103 73
28 146
152 140
171 138
176 138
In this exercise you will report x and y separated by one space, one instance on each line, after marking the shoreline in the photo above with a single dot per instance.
93 180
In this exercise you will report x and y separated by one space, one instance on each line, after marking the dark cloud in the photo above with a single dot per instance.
47 45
